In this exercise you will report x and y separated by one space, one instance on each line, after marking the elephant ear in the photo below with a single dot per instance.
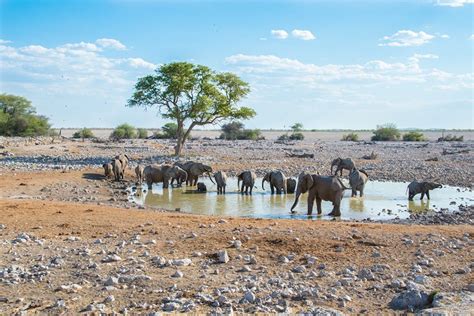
305 182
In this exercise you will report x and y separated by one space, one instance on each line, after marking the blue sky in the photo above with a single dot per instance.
327 64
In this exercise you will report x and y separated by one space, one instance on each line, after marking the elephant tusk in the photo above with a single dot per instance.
210 178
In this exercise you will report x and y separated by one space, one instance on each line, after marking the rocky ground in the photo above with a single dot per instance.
71 241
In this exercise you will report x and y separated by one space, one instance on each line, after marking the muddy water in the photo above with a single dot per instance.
382 200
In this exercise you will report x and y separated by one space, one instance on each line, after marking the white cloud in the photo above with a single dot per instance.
279 34
110 43
140 63
406 38
454 3
303 35
471 37
2 41
445 36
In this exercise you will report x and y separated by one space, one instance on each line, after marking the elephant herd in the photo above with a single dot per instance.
319 187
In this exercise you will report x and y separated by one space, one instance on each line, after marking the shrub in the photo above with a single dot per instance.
83 133
283 137
124 131
236 131
142 133
170 130
451 138
18 118
297 127
297 136
387 132
351 137
414 137
250 134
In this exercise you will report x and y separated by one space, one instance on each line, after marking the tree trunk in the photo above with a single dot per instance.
180 141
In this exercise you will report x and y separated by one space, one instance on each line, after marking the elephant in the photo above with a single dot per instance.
117 169
139 174
124 160
321 188
277 181
421 187
108 169
155 174
221 181
357 179
196 169
248 181
201 187
185 166
290 185
342 164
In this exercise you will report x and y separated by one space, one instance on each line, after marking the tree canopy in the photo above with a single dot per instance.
193 95
18 117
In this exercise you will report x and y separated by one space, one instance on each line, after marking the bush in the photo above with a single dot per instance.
297 136
236 131
124 131
387 132
414 137
283 137
142 133
18 118
297 127
83 133
351 137
170 130
451 138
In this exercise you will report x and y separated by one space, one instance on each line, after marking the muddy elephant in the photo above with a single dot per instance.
290 185
139 174
156 174
415 188
277 181
342 164
321 188
117 169
124 160
195 170
221 181
357 179
108 169
248 181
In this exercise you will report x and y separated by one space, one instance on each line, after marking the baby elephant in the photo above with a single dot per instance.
139 174
108 170
421 187
357 179
201 187
221 181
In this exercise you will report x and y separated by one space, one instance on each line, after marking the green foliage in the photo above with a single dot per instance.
235 131
192 94
83 133
18 118
297 136
297 127
124 131
284 137
170 130
387 132
414 136
351 137
142 133
451 138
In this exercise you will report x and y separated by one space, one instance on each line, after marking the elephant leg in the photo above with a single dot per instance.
361 191
223 189
354 192
310 204
278 190
242 188
149 184
318 205
428 194
336 210
422 195
251 189
165 183
272 188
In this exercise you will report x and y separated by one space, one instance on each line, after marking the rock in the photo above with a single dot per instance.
111 281
222 256
249 296
171 306
181 262
236 244
245 269
366 274
109 299
298 269
410 299
177 274
470 287
111 258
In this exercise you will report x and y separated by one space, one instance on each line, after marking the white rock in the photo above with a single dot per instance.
222 256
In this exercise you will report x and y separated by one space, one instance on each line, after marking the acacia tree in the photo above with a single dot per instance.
193 95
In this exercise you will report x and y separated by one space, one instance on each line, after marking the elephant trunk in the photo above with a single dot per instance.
263 182
210 178
238 183
297 197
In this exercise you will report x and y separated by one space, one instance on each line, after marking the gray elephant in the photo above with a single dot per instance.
357 179
108 169
124 160
221 181
321 188
342 164
248 181
185 166
201 187
156 174
290 185
415 188
277 181
139 174
117 169
195 170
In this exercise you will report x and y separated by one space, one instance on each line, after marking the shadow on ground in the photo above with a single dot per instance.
93 176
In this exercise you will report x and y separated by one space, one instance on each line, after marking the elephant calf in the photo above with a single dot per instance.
201 187
139 174
290 185
357 180
277 181
415 188
248 181
108 169
221 181
117 169
342 164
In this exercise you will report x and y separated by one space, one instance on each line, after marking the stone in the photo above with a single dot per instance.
410 299
177 274
181 262
109 299
111 258
222 256
249 296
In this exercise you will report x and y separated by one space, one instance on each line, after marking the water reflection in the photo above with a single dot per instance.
378 196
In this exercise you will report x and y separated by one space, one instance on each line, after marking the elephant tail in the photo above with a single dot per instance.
364 172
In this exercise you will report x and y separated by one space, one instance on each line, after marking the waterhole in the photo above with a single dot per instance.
382 200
